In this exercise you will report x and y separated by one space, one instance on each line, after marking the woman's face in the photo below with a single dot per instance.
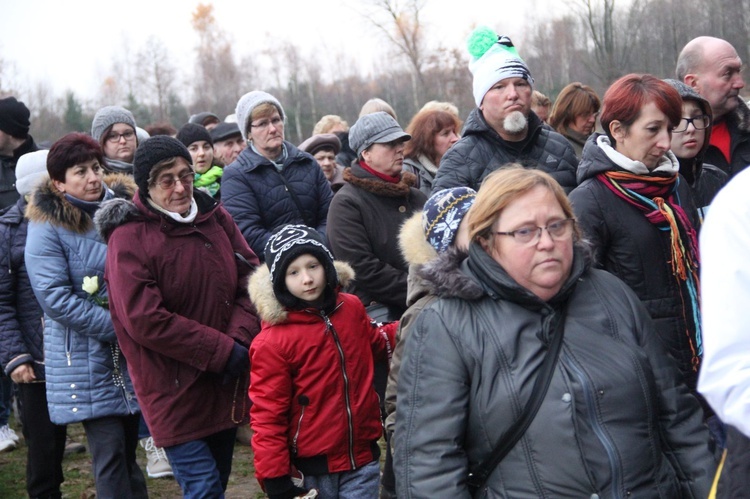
543 265
178 196
267 135
83 181
444 139
386 158
327 161
120 143
689 143
647 139
584 123
203 155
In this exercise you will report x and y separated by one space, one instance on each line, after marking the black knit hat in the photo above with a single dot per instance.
152 151
190 132
14 117
283 247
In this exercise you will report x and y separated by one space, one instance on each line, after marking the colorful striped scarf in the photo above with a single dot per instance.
657 198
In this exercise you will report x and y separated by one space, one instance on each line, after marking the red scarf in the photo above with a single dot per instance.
394 180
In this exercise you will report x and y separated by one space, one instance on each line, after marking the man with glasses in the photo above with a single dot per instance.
690 141
712 68
272 182
114 128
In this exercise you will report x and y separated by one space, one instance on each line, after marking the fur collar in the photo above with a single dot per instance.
48 205
446 279
358 177
270 310
742 115
414 247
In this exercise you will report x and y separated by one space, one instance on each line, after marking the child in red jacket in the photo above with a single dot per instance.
314 407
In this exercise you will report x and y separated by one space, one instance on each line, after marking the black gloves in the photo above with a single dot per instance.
283 488
238 363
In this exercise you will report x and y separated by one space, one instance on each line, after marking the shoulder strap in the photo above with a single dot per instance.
479 475
302 213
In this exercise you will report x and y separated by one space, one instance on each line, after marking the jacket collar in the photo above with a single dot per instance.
358 177
249 160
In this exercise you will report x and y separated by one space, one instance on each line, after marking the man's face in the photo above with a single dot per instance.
6 144
719 79
226 151
504 98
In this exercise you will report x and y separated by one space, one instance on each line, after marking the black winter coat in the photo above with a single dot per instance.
8 192
254 193
21 338
738 123
632 248
481 151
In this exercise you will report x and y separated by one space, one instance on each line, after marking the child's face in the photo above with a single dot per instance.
305 278
688 144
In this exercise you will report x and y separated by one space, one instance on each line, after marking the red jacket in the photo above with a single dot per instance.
314 405
178 301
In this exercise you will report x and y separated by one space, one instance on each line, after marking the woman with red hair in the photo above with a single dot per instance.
638 212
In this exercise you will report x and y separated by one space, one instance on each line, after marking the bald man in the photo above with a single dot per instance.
712 68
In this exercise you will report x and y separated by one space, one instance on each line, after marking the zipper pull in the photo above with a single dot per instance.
67 354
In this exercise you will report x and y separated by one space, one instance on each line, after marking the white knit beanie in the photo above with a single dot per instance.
31 170
250 101
494 58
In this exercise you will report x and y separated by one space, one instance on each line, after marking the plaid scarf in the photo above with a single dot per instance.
657 198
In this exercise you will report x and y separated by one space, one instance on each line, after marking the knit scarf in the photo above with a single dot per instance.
208 181
657 198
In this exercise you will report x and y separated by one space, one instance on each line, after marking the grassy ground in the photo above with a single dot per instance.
79 482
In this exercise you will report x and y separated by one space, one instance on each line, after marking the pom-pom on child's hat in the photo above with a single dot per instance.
443 213
493 58
284 246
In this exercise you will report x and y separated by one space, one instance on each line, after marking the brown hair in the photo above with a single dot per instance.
424 126
575 99
504 186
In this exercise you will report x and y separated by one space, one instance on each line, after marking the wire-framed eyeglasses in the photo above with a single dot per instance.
557 230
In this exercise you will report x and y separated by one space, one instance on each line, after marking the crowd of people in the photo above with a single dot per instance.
526 301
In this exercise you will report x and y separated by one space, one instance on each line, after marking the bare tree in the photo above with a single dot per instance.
401 24
157 75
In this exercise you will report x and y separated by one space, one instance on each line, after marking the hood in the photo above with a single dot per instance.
694 167
116 212
445 278
593 160
270 310
48 205
417 252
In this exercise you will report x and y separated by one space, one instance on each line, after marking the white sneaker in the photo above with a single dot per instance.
157 465
8 439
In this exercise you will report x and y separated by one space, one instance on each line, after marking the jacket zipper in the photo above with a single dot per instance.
606 442
347 400
67 346
299 428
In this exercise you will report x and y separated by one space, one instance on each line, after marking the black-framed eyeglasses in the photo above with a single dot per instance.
527 235
276 122
115 137
168 182
699 122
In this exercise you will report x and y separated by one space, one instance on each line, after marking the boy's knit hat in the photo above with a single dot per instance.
288 243
31 170
108 116
250 101
443 213
493 58
190 132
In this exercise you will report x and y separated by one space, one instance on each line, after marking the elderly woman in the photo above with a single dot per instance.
639 213
574 114
115 130
87 374
432 133
366 214
525 317
272 183
325 147
175 268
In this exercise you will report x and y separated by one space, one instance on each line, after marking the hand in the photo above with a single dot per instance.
238 363
23 374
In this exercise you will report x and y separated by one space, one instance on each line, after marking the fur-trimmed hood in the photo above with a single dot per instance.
444 277
417 252
269 308
742 115
48 205
359 177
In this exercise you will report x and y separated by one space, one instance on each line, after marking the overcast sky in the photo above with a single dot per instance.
70 43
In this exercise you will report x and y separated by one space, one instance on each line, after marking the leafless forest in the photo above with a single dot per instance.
595 42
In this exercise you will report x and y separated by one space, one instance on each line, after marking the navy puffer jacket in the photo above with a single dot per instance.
255 194
21 340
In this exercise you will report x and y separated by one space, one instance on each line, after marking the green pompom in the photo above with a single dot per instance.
480 40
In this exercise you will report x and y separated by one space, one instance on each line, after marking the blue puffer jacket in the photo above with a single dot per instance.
254 193
20 314
87 377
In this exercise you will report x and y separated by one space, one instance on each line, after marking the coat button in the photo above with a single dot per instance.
75 409
567 397
402 209
72 385
73 397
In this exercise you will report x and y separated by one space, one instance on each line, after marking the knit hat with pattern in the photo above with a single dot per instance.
443 213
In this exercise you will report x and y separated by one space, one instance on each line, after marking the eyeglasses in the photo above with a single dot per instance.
527 235
170 181
699 122
115 137
276 122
